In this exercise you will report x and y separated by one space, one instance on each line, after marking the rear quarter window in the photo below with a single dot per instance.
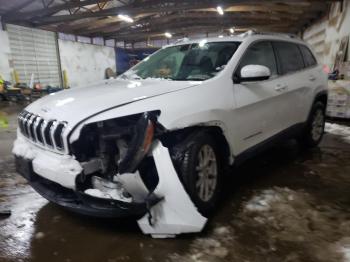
309 58
289 57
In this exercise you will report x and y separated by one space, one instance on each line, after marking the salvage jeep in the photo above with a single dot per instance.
155 142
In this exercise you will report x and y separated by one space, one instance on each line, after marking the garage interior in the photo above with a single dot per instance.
286 204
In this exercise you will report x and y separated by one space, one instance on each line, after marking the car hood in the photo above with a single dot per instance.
76 104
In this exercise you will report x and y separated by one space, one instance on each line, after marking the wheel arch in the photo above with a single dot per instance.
183 137
321 96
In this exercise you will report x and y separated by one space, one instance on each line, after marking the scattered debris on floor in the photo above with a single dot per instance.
5 213
39 235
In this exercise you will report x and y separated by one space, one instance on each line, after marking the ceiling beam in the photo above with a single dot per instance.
277 17
169 6
16 9
182 32
52 10
176 25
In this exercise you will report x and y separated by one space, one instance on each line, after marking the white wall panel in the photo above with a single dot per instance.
85 63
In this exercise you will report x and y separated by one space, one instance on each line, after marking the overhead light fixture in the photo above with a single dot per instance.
220 10
126 18
221 36
232 30
168 35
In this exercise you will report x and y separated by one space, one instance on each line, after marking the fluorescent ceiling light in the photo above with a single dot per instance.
126 18
168 35
221 36
232 30
220 10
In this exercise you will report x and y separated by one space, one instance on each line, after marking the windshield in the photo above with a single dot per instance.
199 61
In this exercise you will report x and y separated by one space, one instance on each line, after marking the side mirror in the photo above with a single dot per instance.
252 73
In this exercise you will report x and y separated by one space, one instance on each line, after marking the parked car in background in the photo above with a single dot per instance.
155 142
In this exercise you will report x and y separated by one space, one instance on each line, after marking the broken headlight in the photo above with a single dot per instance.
117 145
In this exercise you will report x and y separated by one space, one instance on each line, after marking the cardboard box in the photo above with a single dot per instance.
337 111
338 99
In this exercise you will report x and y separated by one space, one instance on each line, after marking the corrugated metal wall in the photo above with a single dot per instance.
34 51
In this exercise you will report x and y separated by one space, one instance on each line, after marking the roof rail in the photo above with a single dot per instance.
253 32
185 39
248 33
280 34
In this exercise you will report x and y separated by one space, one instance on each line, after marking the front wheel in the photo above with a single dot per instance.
201 172
314 130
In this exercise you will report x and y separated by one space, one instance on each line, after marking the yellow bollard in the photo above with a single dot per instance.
4 123
65 79
15 76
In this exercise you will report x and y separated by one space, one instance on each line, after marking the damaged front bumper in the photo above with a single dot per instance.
165 212
78 201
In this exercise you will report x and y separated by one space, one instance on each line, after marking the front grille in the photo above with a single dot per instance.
47 133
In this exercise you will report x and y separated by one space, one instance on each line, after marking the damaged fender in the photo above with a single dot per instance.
176 214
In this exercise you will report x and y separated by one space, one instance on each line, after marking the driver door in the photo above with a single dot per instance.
257 115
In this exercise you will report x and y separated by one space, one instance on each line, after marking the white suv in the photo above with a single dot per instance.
154 143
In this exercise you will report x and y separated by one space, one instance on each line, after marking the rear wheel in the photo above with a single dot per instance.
201 171
314 130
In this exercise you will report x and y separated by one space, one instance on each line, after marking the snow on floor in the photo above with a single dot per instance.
346 253
339 130
343 248
263 201
213 248
285 220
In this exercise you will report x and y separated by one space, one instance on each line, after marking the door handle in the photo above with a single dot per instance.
312 78
280 88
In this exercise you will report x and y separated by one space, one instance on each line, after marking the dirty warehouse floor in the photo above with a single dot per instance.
284 205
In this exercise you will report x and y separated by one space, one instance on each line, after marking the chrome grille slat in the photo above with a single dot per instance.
35 127
47 133
52 130
26 124
38 131
20 121
30 127
43 127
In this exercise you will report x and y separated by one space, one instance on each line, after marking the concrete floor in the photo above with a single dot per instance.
285 205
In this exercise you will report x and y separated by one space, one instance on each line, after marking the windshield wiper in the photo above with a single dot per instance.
131 77
197 78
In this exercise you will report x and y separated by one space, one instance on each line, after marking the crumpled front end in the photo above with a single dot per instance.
117 167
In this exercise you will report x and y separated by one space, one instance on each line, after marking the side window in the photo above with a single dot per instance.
289 56
309 58
260 53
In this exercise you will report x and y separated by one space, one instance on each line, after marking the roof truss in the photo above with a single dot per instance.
153 17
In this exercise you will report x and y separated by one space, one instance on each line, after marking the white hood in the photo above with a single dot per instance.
79 103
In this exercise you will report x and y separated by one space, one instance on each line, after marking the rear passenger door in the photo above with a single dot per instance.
296 81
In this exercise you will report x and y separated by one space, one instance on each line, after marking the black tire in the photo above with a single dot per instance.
190 176
308 138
